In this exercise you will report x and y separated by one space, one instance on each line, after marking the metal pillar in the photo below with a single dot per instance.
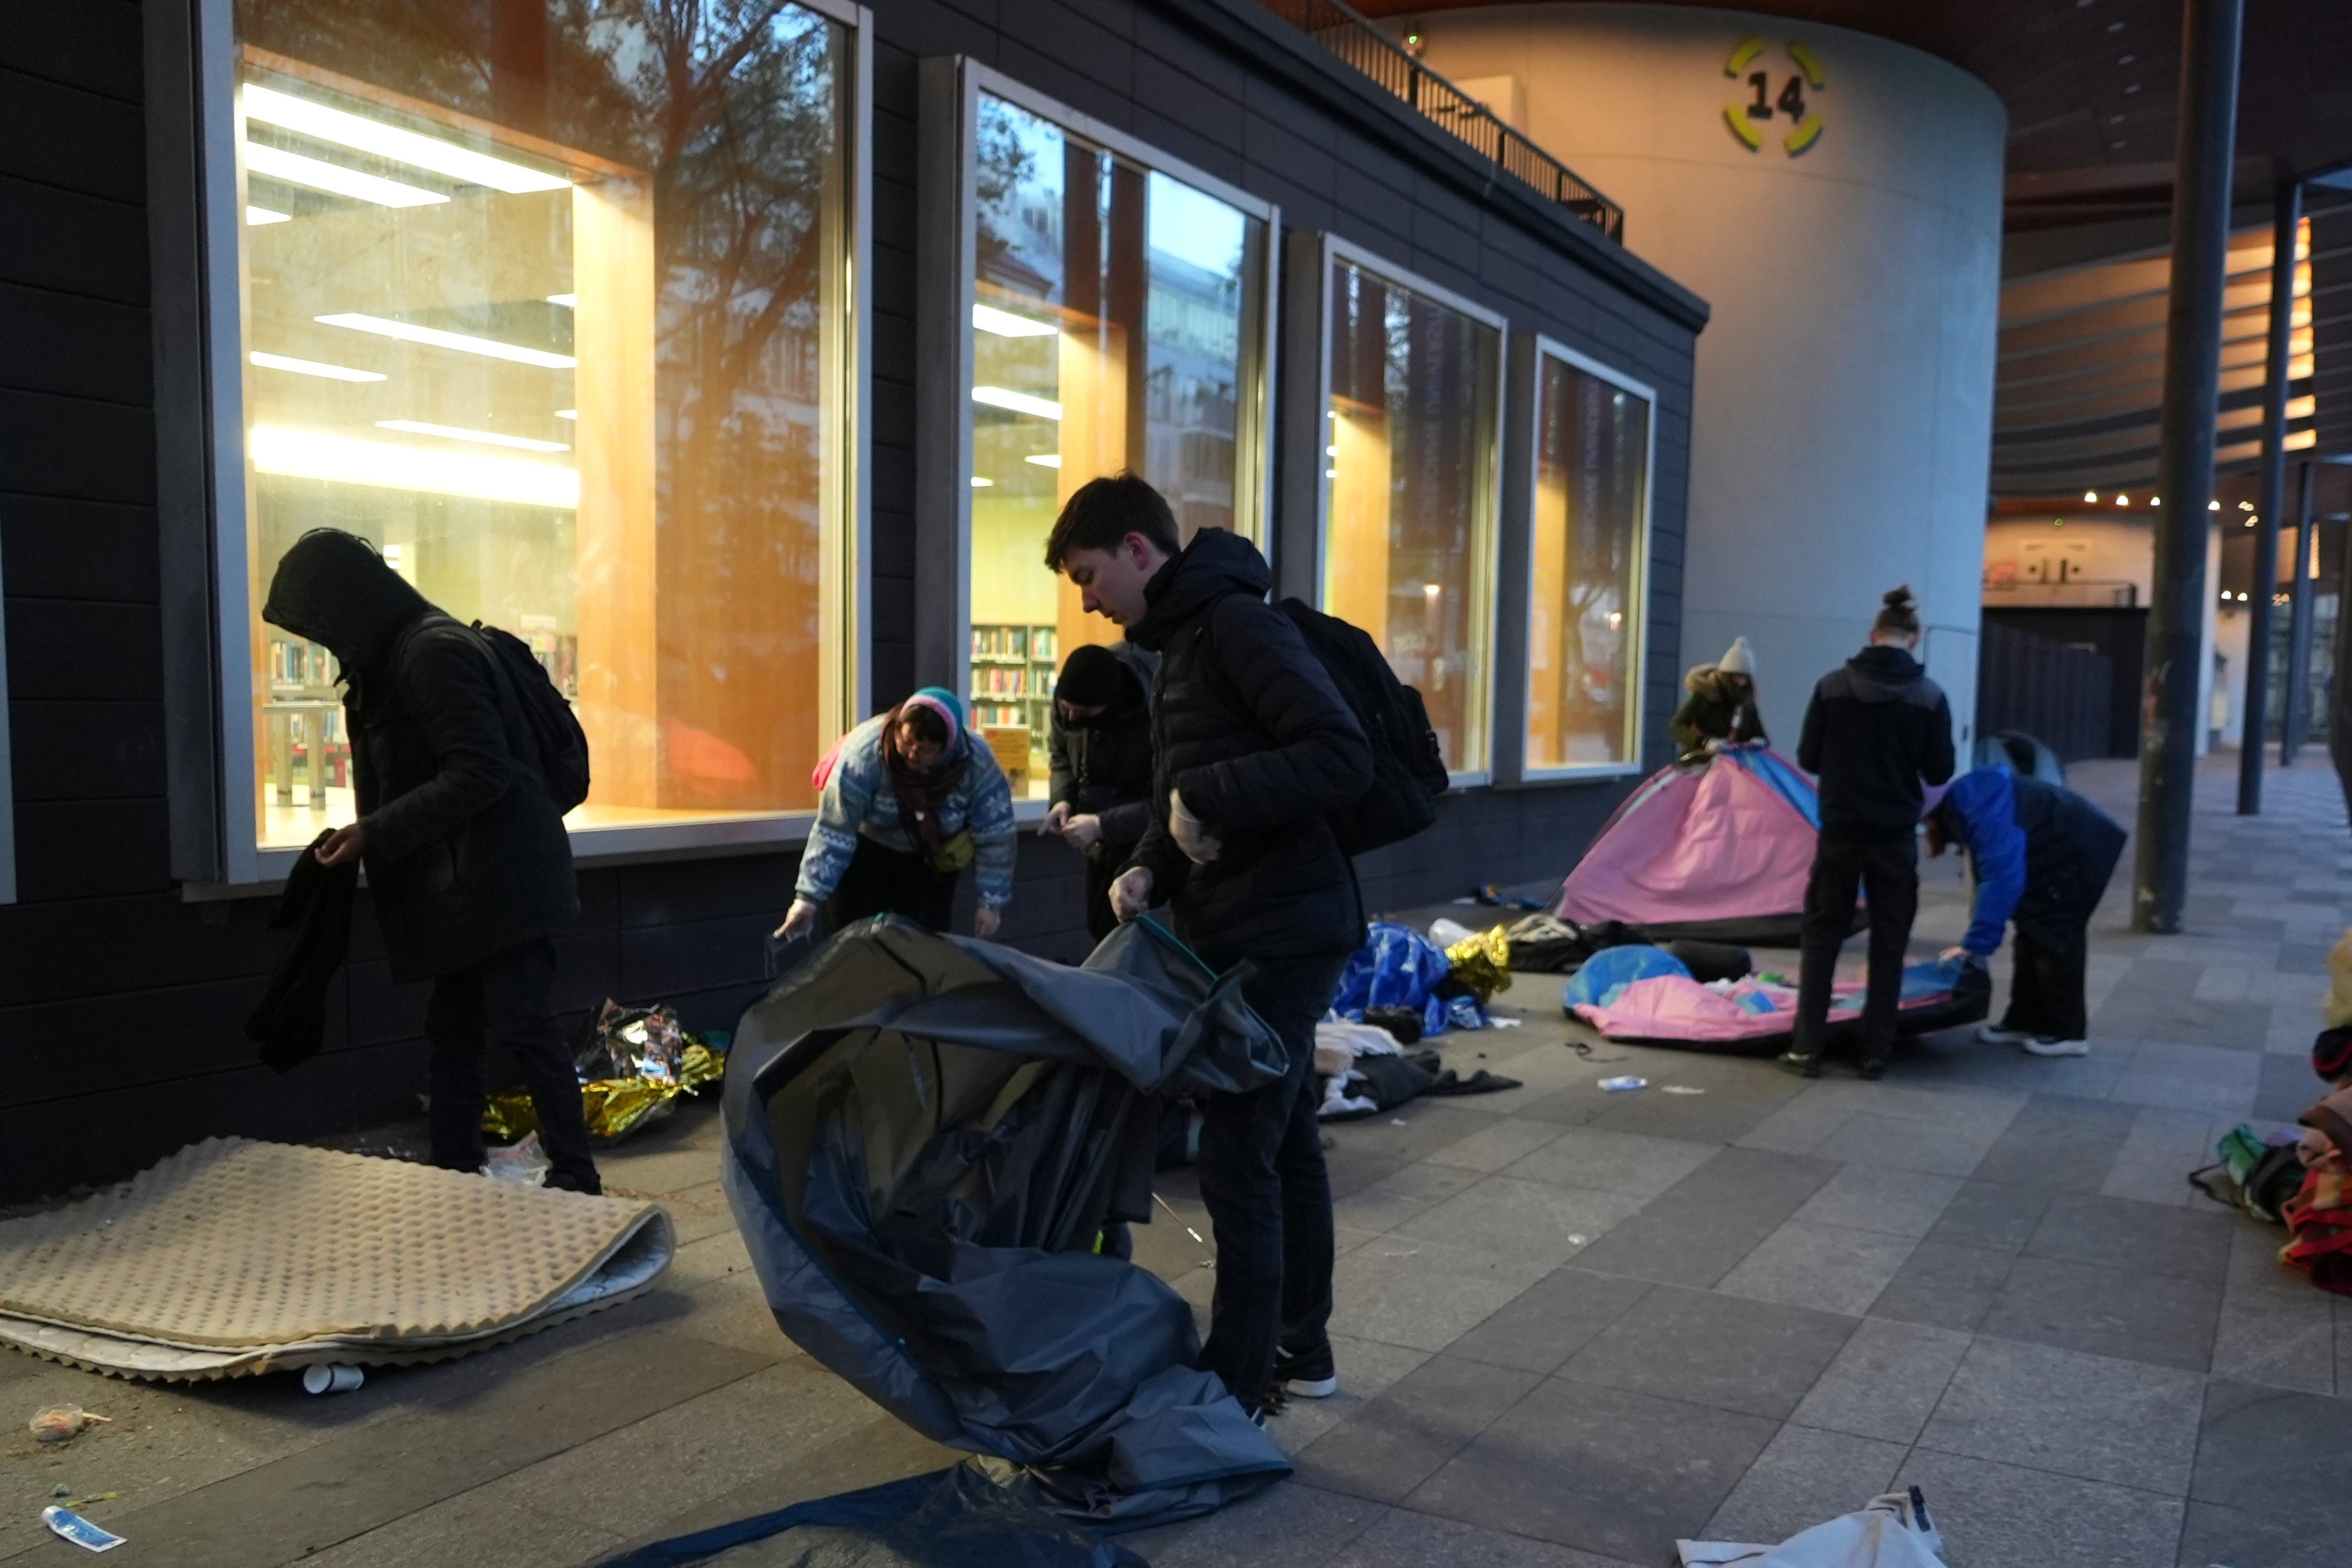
2286 225
2295 715
2170 721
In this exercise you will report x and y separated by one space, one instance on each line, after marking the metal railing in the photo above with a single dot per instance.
1354 39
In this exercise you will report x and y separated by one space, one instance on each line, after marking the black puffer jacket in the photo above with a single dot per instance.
466 854
1102 766
1249 728
1876 727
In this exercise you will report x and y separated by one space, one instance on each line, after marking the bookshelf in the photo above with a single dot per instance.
1013 669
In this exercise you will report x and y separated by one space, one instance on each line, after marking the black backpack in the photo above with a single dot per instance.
1407 767
555 731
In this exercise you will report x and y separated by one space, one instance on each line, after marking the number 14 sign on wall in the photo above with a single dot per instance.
1751 117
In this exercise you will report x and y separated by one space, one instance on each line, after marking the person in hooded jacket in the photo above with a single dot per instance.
1876 730
2041 855
469 865
1102 749
1721 704
1252 748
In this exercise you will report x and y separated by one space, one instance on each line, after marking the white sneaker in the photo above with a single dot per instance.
1993 1034
1313 1387
2043 1045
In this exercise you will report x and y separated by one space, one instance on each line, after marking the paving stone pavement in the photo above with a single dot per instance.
1571 1326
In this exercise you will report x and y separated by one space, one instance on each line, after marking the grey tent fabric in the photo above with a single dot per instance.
925 1136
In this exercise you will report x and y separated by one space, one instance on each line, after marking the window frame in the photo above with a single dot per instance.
7 773
1524 456
947 264
1305 518
195 224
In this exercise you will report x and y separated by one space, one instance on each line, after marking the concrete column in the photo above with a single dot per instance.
1843 414
2177 610
2286 224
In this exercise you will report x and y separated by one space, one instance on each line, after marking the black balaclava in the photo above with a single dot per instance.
335 590
1092 676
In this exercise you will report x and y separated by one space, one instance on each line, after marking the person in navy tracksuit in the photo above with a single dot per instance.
2041 855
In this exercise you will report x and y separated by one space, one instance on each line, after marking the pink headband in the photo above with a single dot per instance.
945 710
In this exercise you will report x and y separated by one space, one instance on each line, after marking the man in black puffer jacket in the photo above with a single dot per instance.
1876 727
1252 748
469 868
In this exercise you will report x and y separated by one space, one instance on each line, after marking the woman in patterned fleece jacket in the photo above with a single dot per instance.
909 799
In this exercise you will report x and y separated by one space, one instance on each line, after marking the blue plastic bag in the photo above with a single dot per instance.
1397 966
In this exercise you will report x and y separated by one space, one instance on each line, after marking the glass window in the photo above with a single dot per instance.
551 302
1118 323
1592 502
1409 477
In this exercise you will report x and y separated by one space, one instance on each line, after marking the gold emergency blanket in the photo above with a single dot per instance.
233 1256
1482 962
615 1107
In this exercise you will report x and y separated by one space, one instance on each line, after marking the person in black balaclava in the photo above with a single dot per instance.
1101 746
469 869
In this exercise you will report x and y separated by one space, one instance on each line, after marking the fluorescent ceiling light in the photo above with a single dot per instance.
567 413
361 134
1018 403
1044 459
383 464
1005 324
569 301
311 368
432 337
260 217
482 437
334 178
980 484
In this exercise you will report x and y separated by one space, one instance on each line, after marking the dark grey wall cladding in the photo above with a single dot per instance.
120 1006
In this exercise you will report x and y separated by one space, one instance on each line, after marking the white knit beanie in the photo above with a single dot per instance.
1736 660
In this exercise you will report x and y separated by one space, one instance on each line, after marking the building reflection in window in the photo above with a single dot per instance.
1409 477
552 303
1591 504
1116 323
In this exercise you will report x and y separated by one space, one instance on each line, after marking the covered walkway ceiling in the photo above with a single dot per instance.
2091 88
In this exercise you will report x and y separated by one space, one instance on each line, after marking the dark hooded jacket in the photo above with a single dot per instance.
466 854
1876 727
1102 766
1247 725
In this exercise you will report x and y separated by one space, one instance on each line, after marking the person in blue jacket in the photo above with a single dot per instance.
2040 856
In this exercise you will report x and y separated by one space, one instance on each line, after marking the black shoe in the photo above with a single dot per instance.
1803 1065
1310 1375
1871 1067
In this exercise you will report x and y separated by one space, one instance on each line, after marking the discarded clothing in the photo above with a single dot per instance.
1540 944
925 1136
1338 1043
1894 1532
2320 1216
1672 1009
289 1022
955 1518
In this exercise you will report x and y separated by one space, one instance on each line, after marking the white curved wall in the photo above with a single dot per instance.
1842 432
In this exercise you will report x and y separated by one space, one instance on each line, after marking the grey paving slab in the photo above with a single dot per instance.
1400 1537
1609 1161
2059 1143
2277 1451
1399 1196
1803 1477
2285 1086
1551 1320
1694 1245
2210 1076
1944 1285
2162 1148
1890 1201
1533 1219
1494 1148
2275 1328
1943 1149
1303 1525
2005 1516
1829 1267
1712 1117
1702 1348
1604 1469
1886 1381
1367 1369
1417 1129
1394 1442
2059 1410
1762 1183
2107 1312
1990 1215
2117 1233
1423 1294
2243 1538
464 1528
883 1449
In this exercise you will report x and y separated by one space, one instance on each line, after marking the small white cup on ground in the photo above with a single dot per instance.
332 1379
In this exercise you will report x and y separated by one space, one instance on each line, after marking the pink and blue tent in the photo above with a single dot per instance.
1717 850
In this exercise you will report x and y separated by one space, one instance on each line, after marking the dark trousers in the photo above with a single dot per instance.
508 997
2045 994
884 881
1267 1194
1887 871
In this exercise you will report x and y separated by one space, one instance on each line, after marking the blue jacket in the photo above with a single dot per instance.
1983 805
2042 855
859 801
